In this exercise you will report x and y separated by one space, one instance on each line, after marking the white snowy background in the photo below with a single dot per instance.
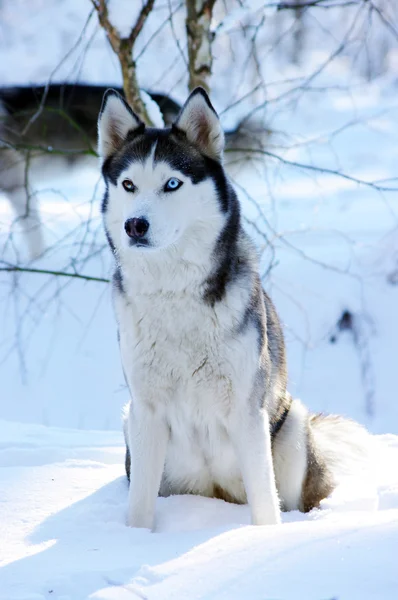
335 247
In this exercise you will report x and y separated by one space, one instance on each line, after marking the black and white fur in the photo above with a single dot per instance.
201 344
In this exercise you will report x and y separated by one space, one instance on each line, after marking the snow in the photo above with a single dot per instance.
64 537
63 492
153 110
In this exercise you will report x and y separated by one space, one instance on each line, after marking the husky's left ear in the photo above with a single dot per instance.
200 123
116 120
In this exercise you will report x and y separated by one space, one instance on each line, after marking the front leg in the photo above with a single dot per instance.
253 446
148 437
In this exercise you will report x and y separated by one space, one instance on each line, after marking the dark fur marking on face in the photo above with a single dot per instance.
118 280
105 201
173 148
114 165
104 208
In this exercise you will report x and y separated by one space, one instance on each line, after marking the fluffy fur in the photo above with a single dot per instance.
201 344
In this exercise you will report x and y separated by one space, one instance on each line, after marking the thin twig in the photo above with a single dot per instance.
291 163
47 87
16 269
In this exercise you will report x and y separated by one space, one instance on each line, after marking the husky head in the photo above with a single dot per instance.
164 187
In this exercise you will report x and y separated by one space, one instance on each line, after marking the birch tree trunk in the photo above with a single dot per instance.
200 38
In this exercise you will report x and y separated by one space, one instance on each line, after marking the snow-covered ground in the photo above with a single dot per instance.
62 511
63 493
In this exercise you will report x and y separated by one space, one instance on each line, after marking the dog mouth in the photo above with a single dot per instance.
139 243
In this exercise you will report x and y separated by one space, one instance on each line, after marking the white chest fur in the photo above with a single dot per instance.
184 361
175 348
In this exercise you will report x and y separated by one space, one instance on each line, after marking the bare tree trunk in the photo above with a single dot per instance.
200 38
123 48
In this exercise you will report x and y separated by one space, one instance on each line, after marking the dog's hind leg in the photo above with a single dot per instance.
13 184
290 456
313 453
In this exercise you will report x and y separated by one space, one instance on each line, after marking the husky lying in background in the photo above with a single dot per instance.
201 344
66 124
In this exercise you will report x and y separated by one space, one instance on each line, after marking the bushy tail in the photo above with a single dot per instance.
344 445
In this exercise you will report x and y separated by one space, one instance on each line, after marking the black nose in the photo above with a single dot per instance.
136 228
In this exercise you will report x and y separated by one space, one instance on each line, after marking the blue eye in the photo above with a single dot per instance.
172 184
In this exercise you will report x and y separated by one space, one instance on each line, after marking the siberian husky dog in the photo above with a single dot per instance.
201 344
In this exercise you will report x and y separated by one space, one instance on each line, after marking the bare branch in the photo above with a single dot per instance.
169 19
123 48
65 58
390 26
371 184
16 269
311 4
142 17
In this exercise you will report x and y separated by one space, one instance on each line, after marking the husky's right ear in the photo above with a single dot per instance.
200 123
116 120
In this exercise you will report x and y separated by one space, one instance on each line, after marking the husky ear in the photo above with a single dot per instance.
200 123
116 120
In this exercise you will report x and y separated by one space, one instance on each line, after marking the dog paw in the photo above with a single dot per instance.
267 518
140 521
